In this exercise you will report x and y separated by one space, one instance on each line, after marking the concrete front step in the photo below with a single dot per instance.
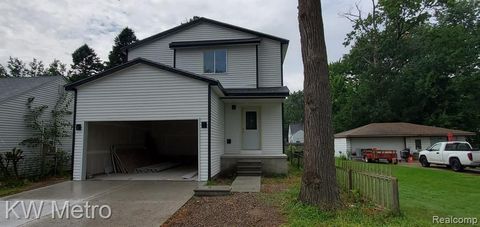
214 190
249 173
249 162
249 167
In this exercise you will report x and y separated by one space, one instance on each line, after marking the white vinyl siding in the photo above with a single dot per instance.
341 147
159 50
142 93
269 56
233 128
241 65
270 127
269 65
271 117
217 132
12 124
410 142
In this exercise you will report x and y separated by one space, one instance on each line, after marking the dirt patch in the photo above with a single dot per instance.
238 209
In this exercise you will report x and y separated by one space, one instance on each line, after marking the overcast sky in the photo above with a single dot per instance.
54 29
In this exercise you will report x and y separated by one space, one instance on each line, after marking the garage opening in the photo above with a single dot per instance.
142 150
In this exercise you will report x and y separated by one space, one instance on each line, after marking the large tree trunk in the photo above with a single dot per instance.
319 185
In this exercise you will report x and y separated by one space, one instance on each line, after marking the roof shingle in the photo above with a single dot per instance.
399 129
12 87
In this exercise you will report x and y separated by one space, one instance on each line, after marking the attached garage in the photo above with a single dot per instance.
148 114
148 150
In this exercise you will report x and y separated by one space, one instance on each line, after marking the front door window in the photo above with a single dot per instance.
251 120
250 128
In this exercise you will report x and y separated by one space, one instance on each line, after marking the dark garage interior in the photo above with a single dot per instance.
143 150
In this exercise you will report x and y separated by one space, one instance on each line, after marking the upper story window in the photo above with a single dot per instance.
215 61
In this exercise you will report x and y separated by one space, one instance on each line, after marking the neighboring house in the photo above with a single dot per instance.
295 133
14 93
393 136
205 93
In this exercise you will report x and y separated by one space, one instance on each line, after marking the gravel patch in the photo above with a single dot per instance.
238 209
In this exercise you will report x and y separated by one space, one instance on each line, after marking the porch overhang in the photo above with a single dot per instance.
256 93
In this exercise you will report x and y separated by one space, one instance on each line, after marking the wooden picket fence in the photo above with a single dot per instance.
378 188
380 169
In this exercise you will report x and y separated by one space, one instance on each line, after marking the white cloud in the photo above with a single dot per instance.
49 29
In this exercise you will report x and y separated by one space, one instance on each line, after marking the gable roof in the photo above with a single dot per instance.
270 92
135 61
399 129
13 87
198 21
294 128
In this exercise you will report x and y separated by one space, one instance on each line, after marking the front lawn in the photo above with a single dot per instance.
423 193
426 192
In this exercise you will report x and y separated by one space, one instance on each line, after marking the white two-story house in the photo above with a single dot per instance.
191 101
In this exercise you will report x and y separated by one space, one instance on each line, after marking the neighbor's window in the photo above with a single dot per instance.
418 144
215 61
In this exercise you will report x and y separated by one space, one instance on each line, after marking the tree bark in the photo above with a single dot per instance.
319 184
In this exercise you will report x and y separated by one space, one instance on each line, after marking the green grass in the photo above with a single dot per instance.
427 192
423 193
10 187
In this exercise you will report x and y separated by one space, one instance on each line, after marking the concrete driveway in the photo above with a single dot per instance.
132 203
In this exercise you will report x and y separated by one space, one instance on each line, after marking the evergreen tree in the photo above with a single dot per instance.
36 68
3 72
56 68
16 67
117 55
85 63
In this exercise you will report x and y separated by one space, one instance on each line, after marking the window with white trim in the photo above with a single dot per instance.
215 61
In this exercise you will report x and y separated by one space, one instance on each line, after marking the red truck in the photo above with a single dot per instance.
373 154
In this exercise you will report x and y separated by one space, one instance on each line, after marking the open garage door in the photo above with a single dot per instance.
142 150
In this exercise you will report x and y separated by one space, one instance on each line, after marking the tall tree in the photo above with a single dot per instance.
36 68
3 72
319 184
16 67
117 55
85 63
56 68
294 108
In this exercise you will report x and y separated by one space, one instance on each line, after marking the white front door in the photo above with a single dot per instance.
250 128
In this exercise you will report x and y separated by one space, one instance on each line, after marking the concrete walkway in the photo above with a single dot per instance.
132 203
246 184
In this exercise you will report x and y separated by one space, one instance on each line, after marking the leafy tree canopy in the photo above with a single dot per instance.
18 68
413 61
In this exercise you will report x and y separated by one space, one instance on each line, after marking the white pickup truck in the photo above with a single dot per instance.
455 154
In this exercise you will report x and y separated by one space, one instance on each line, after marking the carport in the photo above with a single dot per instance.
142 150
